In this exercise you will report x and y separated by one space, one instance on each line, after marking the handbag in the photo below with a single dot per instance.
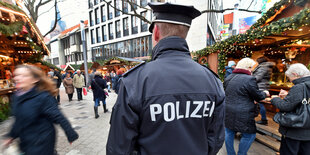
300 118
84 91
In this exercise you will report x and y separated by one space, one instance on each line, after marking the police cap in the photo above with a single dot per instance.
173 13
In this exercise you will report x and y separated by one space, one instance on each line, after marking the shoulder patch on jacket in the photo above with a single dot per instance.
211 71
130 70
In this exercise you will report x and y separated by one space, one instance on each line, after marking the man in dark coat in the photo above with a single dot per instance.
98 85
159 109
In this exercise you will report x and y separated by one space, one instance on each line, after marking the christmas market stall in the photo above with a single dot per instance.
116 63
20 42
282 35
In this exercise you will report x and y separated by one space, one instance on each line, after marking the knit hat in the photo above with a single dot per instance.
231 63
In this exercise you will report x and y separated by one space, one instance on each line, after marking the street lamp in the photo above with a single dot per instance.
84 50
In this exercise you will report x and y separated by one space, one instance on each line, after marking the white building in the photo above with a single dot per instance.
113 33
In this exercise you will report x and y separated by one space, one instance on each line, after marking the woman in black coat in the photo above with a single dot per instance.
98 84
36 111
241 90
294 140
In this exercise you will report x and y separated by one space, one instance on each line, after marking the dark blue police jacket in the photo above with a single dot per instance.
169 106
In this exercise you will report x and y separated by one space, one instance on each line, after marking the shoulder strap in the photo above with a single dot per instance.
96 84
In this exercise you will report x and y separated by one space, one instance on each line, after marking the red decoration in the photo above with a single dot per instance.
303 49
256 41
293 48
24 31
235 43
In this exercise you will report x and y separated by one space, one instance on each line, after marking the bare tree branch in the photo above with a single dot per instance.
131 14
55 23
250 5
221 11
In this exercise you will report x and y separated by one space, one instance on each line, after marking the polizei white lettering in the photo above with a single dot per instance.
172 111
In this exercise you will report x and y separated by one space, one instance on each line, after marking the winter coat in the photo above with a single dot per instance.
97 85
68 84
35 115
262 73
117 83
241 90
57 78
78 81
160 111
229 70
289 104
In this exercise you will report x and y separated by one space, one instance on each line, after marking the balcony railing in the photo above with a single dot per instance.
126 32
118 34
134 30
111 36
143 27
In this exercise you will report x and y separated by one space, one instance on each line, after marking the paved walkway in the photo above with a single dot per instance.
93 132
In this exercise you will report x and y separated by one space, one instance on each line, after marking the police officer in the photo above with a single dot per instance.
171 105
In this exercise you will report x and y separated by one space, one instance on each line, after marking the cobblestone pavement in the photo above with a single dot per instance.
94 132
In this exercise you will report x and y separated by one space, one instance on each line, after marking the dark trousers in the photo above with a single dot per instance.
294 147
70 97
79 93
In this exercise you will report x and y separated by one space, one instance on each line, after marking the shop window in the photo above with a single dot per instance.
56 61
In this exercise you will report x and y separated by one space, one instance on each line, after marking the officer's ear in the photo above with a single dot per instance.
156 33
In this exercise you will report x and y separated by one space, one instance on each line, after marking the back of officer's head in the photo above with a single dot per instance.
168 29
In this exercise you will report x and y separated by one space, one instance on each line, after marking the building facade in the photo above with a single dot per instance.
114 33
66 48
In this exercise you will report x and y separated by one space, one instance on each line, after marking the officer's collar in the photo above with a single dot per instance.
174 43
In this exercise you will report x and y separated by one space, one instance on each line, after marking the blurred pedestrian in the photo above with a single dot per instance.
113 75
171 105
57 78
78 83
229 69
36 111
98 85
91 77
68 84
294 141
262 73
241 90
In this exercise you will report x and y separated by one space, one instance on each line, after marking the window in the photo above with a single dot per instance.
143 23
110 11
143 3
117 5
134 24
98 35
97 15
118 29
72 39
90 4
95 2
92 35
104 33
91 18
110 31
103 13
56 61
134 3
125 6
125 27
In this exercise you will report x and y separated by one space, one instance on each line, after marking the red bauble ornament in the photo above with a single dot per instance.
303 49
24 31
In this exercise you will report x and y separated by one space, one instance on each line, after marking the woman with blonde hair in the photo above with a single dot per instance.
36 111
241 90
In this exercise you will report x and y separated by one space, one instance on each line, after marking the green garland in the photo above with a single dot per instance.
12 28
10 6
232 44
